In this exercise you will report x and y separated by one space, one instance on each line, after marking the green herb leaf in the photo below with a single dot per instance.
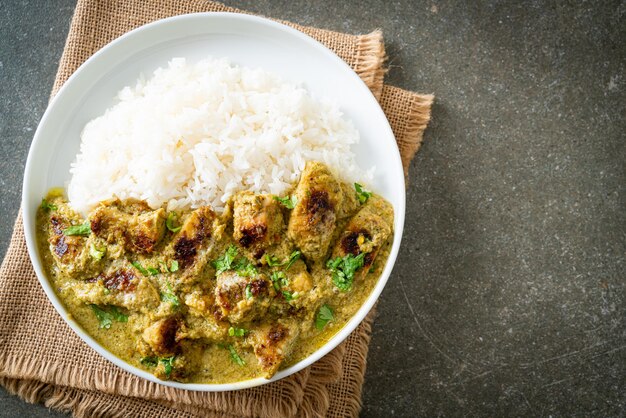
248 291
170 296
245 268
106 317
361 193
293 258
174 266
272 261
288 202
139 267
289 296
118 315
236 332
95 252
83 229
234 356
47 206
150 361
225 262
168 364
279 280
344 268
169 222
324 315
333 263
150 271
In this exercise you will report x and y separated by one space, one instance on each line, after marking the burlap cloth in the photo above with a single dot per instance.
41 359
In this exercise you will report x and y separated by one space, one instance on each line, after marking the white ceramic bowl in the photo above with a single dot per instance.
246 40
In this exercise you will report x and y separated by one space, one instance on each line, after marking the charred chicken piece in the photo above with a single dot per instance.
242 298
195 235
313 219
163 336
258 222
139 231
366 233
272 343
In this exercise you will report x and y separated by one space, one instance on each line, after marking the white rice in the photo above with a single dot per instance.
194 134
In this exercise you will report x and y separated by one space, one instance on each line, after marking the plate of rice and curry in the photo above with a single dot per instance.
213 201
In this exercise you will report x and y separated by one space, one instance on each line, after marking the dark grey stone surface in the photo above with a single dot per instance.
508 295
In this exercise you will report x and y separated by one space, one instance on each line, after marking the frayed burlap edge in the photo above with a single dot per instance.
418 119
370 61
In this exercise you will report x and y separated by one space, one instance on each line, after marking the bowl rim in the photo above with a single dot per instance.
29 215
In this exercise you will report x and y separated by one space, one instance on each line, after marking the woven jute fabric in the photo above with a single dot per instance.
42 360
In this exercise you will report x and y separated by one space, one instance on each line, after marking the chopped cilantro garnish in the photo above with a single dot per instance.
168 364
248 291
272 261
229 261
225 262
361 193
106 317
293 258
344 268
279 280
170 296
151 361
245 268
47 206
95 252
234 356
324 315
236 332
83 229
150 271
118 315
169 222
289 202
289 296
174 266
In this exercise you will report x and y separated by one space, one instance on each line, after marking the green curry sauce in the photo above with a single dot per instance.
196 296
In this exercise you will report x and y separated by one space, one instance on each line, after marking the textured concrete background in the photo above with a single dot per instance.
508 295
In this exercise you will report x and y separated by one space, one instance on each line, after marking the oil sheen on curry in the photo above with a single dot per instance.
197 296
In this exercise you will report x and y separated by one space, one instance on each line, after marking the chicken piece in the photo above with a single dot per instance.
69 251
272 343
121 223
120 287
238 304
350 203
314 216
193 237
299 278
145 231
258 222
108 223
366 232
163 336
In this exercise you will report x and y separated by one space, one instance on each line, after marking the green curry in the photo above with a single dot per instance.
199 297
